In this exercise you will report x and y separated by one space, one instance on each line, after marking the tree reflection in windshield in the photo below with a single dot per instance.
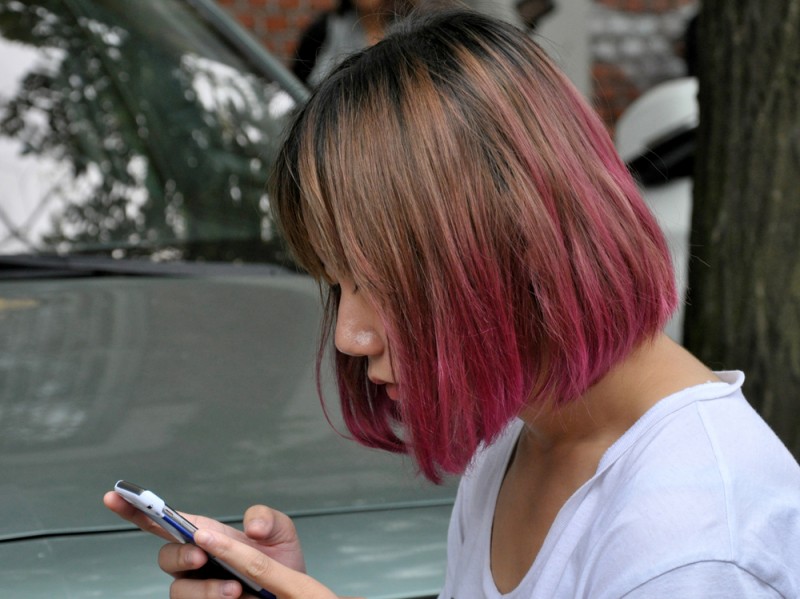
149 136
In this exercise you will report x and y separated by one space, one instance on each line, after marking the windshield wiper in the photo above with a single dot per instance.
49 266
52 266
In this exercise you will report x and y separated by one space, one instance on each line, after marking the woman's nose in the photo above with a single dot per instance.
357 327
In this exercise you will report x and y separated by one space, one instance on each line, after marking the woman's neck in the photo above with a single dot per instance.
654 370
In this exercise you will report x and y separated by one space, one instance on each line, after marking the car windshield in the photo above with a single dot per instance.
133 130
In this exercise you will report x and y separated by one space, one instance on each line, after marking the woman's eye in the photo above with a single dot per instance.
337 286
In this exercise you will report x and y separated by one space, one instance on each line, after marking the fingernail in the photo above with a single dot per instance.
193 558
203 537
230 589
258 526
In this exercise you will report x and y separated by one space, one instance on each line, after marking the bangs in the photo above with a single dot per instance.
289 190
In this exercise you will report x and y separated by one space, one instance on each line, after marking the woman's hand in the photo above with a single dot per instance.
267 532
271 574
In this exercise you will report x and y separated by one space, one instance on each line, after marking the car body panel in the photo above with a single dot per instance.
170 383
400 552
178 385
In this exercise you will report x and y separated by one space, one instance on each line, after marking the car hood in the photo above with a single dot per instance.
394 554
201 389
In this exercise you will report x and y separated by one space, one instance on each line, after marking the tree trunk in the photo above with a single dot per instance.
744 303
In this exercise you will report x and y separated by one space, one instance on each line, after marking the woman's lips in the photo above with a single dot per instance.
393 391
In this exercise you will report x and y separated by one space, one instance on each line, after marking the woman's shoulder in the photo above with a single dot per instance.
710 425
711 432
707 481
704 450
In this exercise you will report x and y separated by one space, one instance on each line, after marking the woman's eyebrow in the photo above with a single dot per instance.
329 278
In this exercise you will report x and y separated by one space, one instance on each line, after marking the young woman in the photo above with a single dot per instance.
496 292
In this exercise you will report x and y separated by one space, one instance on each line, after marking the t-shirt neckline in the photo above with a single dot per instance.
730 381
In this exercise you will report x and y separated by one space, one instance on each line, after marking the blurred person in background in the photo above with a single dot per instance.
532 11
353 25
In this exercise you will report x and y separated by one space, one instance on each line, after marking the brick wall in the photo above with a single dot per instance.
634 43
277 23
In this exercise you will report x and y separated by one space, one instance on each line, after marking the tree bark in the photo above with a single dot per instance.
743 307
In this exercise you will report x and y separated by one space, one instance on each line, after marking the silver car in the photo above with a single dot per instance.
152 327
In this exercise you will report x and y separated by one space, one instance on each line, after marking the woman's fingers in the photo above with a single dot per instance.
256 566
186 588
177 558
276 534
261 523
265 530
125 510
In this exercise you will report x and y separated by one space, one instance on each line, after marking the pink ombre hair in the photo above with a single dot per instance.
477 199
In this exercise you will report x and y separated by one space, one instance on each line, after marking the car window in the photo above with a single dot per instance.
132 129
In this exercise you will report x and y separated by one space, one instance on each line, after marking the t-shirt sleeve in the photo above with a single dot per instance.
705 580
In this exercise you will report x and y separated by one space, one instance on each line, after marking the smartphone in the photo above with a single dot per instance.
179 527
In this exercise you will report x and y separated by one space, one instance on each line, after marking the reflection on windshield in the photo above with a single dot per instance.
130 129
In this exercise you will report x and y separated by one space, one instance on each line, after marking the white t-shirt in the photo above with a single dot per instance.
698 500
